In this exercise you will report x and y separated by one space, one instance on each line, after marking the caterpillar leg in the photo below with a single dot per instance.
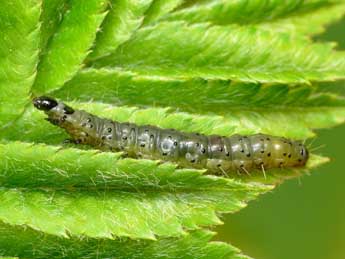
223 172
124 155
52 121
245 170
263 171
70 141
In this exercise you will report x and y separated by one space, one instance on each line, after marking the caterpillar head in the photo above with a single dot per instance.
56 111
45 103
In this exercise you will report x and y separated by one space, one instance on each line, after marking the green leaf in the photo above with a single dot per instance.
70 44
124 18
27 243
52 14
309 23
308 17
19 44
245 108
112 196
231 52
159 8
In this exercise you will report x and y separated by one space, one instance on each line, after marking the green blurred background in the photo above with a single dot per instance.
300 219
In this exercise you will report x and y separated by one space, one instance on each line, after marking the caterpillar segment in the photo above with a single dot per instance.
217 154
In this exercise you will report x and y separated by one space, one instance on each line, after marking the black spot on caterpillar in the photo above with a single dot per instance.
191 150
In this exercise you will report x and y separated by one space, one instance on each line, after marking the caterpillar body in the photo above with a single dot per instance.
215 153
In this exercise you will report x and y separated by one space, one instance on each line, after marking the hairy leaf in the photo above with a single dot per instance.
70 44
308 17
309 23
33 244
19 44
232 52
245 107
124 18
220 96
159 8
52 14
124 197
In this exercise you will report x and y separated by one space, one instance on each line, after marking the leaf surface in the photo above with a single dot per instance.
36 245
70 44
159 8
52 14
245 108
124 197
308 17
123 19
19 45
233 52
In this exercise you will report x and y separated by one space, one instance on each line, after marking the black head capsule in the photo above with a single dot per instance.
44 103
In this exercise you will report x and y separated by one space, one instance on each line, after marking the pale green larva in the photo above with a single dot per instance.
215 153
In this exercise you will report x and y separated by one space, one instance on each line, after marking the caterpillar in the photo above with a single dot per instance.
215 153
